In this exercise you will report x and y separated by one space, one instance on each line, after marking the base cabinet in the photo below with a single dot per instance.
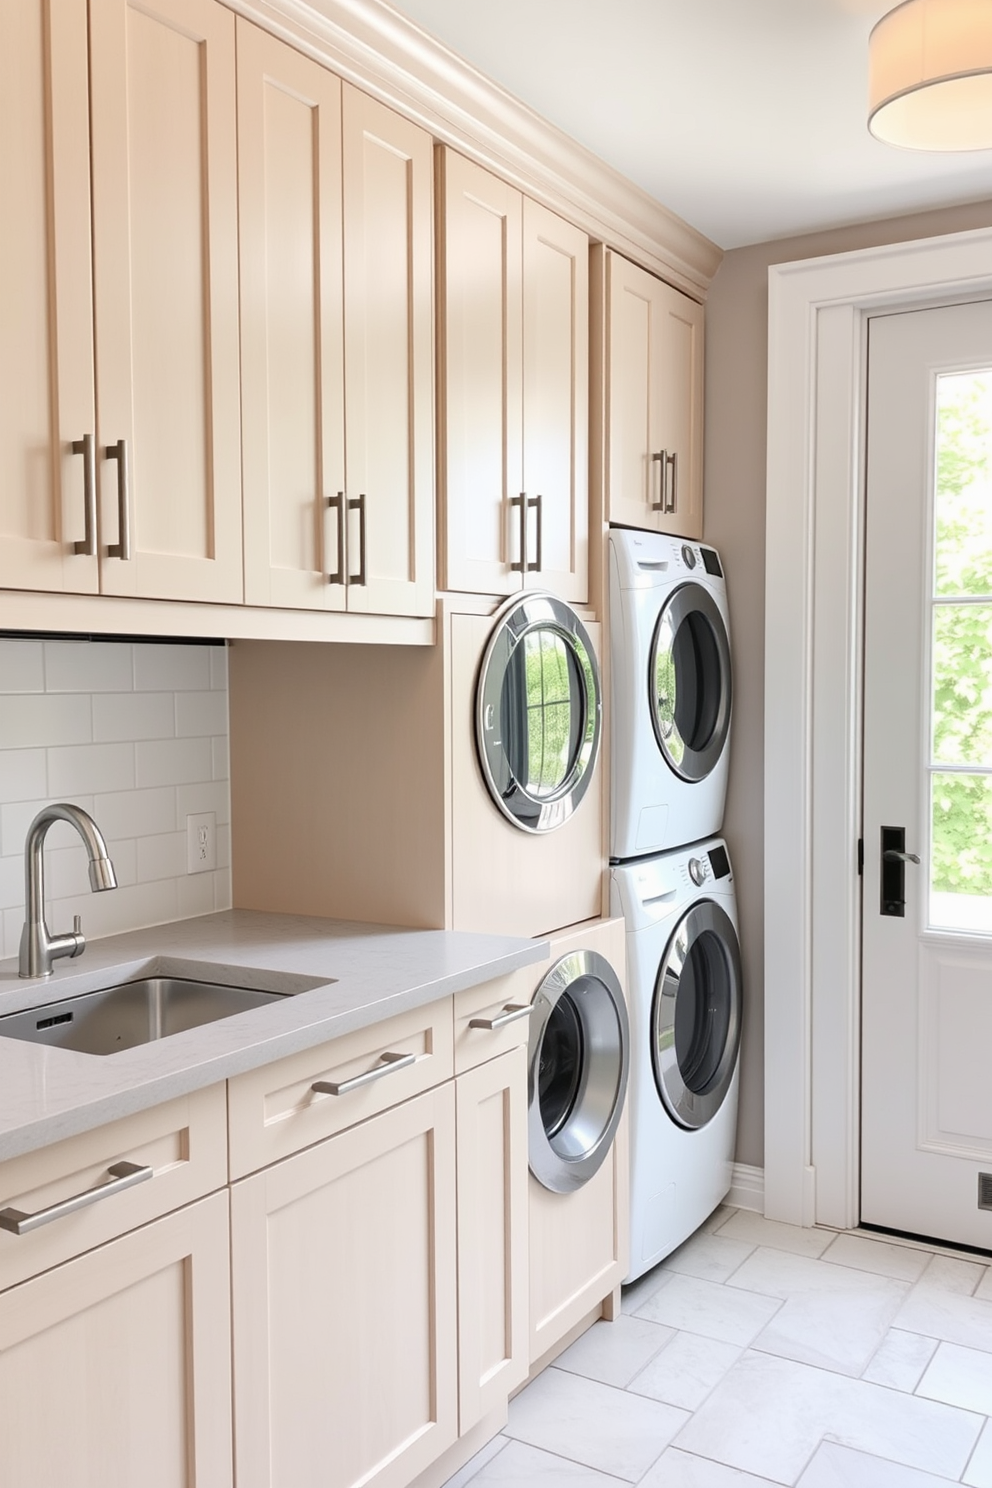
115 1367
345 1340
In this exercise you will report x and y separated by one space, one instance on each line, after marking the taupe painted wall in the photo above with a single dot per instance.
736 407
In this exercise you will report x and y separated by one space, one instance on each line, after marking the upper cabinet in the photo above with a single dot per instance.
336 294
654 402
513 389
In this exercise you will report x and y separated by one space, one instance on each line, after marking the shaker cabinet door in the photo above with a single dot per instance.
345 1307
289 175
47 498
165 242
389 359
654 403
480 323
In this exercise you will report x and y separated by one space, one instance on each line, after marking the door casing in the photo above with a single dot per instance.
817 336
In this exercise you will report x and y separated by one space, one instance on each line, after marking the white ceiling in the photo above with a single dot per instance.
746 117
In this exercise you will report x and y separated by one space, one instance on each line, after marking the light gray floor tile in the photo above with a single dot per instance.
614 1352
712 1257
949 1274
878 1256
831 1316
834 1466
900 1360
594 1424
714 1311
676 1469
979 1471
475 1464
954 1317
635 1295
959 1376
768 1415
528 1467
719 1216
984 1288
686 1371
744 1224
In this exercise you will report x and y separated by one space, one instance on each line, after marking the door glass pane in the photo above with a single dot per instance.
964 484
542 712
960 870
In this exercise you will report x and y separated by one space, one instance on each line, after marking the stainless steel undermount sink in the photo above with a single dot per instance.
131 1013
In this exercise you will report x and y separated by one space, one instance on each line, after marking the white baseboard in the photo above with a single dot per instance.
747 1188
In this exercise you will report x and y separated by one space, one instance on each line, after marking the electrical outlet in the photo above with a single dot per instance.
201 842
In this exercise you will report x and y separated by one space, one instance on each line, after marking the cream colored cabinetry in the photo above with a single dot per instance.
334 295
115 1319
653 356
146 501
514 330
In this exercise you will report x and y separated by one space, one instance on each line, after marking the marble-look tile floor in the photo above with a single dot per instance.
760 1354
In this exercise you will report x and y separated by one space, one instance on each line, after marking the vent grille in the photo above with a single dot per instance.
985 1190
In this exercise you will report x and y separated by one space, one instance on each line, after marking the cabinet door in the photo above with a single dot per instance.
345 1307
655 403
165 236
556 403
389 359
289 176
46 316
481 316
492 1234
115 1368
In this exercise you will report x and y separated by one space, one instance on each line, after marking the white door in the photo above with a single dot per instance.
927 990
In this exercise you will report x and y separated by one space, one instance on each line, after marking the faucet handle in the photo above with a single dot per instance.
77 930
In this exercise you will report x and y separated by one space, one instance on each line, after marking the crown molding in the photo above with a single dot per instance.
379 50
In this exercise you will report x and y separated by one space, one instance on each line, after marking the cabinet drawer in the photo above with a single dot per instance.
275 1110
494 1002
181 1143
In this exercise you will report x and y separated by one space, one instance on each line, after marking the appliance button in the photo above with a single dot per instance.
688 556
697 871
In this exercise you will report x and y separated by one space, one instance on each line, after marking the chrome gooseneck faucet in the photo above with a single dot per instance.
39 948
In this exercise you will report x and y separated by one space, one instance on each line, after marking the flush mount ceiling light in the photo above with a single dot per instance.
930 75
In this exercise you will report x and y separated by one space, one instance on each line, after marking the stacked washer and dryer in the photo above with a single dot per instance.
672 881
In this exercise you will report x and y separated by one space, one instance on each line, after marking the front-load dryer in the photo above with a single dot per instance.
579 1056
684 969
672 692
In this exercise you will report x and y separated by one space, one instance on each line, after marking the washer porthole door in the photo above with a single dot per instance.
689 682
538 712
696 1015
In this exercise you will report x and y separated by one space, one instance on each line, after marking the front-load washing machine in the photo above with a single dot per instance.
579 1055
684 969
672 692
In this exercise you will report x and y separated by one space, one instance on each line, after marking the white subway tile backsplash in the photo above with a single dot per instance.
172 668
95 723
23 774
22 666
173 762
134 715
201 713
34 720
91 768
137 813
88 666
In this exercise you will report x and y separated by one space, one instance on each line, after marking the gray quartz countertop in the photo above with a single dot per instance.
343 976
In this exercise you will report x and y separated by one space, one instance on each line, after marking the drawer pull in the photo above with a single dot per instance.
122 1175
510 1014
387 1064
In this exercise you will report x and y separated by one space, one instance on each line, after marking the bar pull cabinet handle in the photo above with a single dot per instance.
336 504
661 460
388 1063
122 548
521 503
512 1013
892 879
122 1175
359 506
537 502
87 448
673 464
